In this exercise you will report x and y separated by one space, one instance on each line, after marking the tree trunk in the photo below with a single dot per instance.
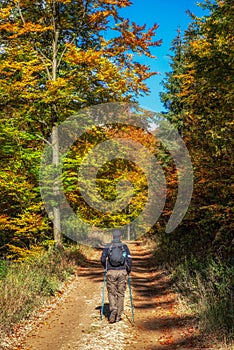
56 208
129 232
55 146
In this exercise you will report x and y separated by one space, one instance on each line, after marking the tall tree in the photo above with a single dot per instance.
55 59
206 94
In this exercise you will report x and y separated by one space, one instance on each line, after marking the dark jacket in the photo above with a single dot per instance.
107 265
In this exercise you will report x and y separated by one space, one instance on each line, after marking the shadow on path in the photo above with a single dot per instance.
158 323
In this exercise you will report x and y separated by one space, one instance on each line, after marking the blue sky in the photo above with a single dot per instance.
169 15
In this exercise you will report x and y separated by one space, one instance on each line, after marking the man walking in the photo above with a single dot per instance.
117 261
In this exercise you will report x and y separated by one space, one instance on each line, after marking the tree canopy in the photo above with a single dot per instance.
198 94
57 57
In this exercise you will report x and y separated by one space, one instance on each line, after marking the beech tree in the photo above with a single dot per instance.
109 175
56 58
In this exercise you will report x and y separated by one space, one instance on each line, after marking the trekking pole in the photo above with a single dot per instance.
103 292
130 293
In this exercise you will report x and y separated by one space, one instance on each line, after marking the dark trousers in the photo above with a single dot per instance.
116 286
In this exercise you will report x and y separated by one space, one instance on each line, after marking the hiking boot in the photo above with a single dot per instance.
118 318
112 316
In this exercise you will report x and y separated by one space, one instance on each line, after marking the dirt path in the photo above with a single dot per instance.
75 324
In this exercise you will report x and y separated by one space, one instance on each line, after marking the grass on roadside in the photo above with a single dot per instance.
25 286
208 288
205 284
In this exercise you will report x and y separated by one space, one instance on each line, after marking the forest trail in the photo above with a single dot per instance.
75 324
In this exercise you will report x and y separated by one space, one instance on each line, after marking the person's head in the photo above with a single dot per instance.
117 234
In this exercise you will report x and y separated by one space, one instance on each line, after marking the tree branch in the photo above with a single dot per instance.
46 141
43 58
63 53
20 12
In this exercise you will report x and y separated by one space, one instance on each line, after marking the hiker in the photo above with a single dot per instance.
117 262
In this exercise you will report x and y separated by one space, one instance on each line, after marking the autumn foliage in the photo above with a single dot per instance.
57 57
198 94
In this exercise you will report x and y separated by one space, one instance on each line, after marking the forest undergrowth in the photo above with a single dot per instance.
26 285
205 286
